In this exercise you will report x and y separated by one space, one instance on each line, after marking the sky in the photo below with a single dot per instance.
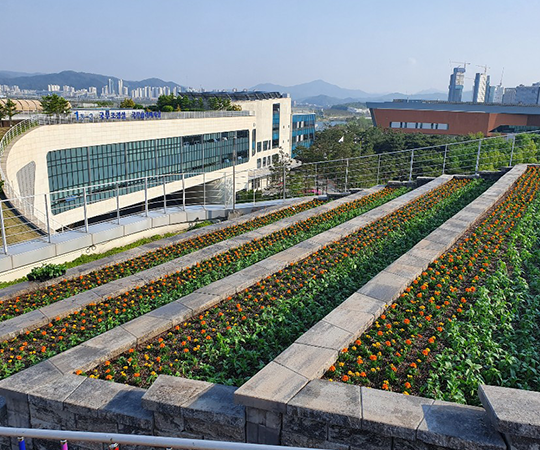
377 46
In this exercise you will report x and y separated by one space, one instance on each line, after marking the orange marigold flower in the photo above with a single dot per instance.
332 368
373 357
344 378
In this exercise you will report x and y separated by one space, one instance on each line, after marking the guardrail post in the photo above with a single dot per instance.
146 196
412 162
284 181
347 175
63 445
164 196
478 157
47 217
378 168
85 205
316 180
3 228
204 190
117 204
444 159
512 152
183 192
22 443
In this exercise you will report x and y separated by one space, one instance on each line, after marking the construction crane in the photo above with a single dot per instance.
464 64
485 68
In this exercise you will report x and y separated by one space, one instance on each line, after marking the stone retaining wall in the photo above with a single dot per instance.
50 395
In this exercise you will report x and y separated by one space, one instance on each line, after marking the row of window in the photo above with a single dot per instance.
109 164
266 161
419 125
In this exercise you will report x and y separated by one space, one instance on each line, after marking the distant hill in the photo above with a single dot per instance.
10 74
321 93
79 80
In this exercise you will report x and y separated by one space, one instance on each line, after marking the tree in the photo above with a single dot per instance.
167 108
54 104
127 103
10 109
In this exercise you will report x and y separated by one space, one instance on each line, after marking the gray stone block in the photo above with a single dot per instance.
522 443
31 253
198 302
177 217
5 264
104 232
118 287
392 414
404 444
71 241
168 424
135 224
15 388
168 394
358 439
176 312
328 402
512 411
458 426
145 327
351 320
18 325
115 341
80 357
326 335
303 426
300 440
69 305
307 360
126 409
365 304
271 388
159 220
385 286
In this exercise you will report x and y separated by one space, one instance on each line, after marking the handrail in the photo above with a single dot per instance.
134 439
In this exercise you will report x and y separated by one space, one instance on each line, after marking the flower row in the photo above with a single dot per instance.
233 340
64 333
398 351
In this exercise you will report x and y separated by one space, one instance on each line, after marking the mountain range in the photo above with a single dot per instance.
317 93
79 80
321 93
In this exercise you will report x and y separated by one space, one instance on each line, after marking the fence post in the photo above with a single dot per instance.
378 168
3 228
47 217
183 192
253 187
412 162
478 157
316 180
444 160
347 175
85 204
204 190
164 195
146 196
234 186
284 182
117 203
512 152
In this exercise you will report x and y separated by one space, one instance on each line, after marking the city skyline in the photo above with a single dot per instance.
240 44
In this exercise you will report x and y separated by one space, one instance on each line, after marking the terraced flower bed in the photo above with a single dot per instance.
64 333
470 318
16 306
230 342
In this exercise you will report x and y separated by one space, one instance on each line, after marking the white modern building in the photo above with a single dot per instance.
191 148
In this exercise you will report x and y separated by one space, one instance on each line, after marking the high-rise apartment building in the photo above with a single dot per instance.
509 96
479 89
457 81
528 95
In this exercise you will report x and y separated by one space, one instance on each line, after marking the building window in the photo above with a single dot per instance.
275 125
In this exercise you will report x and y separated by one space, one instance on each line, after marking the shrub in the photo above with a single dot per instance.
46 272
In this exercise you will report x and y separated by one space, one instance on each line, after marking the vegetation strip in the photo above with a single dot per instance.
230 342
64 333
17 305
420 345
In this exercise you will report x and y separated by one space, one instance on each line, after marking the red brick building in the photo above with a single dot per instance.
454 118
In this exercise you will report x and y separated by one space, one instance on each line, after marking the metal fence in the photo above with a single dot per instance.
115 440
42 216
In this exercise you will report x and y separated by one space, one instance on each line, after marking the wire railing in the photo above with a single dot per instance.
42 216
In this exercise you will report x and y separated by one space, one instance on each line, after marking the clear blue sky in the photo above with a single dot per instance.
376 46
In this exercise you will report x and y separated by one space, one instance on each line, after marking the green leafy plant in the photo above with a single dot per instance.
46 272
